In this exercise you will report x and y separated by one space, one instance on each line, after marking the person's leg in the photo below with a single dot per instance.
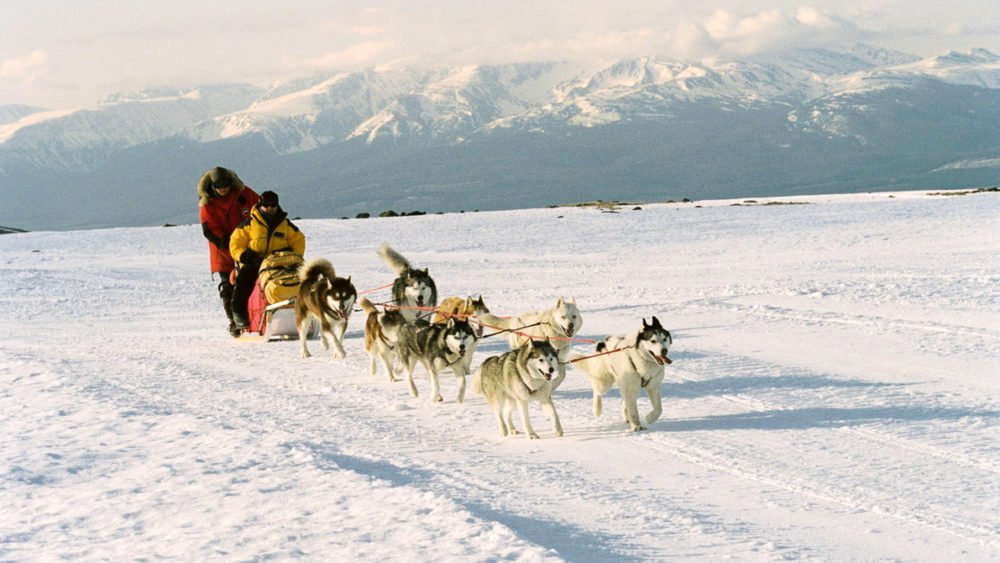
226 294
245 278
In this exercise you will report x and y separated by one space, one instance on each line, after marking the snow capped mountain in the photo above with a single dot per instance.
80 139
461 101
300 120
640 128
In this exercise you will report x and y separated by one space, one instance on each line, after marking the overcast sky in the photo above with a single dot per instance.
65 54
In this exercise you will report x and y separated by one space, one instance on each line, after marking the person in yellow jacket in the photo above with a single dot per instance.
266 230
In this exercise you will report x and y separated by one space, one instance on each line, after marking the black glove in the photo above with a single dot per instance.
249 257
224 243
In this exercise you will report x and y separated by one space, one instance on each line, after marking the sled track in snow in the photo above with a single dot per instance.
722 453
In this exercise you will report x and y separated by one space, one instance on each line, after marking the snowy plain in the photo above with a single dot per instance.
834 396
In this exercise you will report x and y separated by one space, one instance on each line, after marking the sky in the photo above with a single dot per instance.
64 54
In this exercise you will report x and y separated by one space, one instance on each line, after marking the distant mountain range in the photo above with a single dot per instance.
517 135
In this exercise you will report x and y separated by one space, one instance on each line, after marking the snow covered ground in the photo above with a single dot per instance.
835 394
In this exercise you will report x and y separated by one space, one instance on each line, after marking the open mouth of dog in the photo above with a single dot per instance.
547 375
661 358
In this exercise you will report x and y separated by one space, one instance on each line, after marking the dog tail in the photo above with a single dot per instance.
367 306
316 268
394 259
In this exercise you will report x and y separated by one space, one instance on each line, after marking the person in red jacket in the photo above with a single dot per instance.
224 202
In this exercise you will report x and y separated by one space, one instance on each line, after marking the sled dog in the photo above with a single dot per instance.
329 299
436 347
467 310
558 323
381 336
514 379
637 364
412 289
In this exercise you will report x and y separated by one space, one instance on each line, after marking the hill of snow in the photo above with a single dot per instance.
833 395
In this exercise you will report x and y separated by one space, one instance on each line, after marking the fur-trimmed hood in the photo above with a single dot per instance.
205 186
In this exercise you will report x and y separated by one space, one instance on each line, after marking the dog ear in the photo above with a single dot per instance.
560 302
572 300
644 325
656 322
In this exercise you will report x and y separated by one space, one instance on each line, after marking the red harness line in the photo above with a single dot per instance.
374 290
604 353
462 317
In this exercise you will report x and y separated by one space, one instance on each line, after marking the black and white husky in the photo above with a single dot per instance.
516 378
328 298
633 363
437 347
413 289
557 323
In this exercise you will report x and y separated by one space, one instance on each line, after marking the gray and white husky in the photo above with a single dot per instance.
514 379
558 324
382 331
413 289
632 363
328 298
437 347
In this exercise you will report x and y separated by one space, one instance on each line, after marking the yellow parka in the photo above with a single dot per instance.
255 234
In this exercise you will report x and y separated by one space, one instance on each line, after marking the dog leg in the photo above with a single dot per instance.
460 377
373 364
508 416
550 409
598 404
501 423
303 334
387 364
522 406
435 384
653 390
337 336
409 365
630 410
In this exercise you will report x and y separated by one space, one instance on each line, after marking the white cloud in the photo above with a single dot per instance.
364 53
25 68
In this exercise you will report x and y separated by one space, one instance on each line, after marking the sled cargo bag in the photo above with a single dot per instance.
279 275
255 310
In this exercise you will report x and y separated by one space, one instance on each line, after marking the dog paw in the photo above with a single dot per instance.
306 355
439 399
638 428
339 355
533 436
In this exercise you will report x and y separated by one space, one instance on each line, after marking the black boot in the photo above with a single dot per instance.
226 294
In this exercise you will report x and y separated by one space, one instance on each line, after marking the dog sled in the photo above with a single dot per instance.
271 308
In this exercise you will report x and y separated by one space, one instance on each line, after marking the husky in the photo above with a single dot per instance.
437 347
514 379
632 363
558 324
382 331
328 298
467 310
413 289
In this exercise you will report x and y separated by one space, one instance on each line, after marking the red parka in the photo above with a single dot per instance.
220 215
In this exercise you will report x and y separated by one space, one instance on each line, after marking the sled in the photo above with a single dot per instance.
274 321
